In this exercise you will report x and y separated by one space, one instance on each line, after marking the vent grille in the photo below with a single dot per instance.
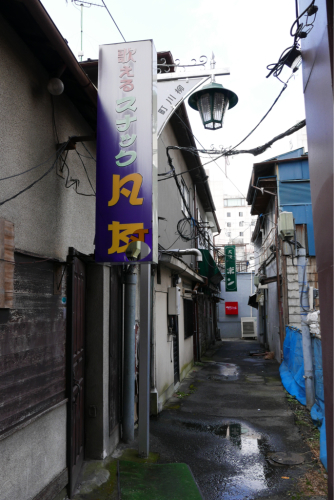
248 327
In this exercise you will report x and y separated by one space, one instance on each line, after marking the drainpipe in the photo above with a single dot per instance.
130 281
306 336
153 349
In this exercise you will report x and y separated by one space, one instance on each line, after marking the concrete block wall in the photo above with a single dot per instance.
293 288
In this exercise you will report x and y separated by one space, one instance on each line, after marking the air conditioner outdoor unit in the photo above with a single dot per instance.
248 328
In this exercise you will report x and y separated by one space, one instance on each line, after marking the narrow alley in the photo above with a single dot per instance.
234 420
230 422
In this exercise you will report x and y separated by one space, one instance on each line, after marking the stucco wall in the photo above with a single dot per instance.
48 217
33 456
273 337
163 343
169 200
185 345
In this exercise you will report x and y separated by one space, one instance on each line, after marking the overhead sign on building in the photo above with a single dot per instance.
126 174
231 308
230 269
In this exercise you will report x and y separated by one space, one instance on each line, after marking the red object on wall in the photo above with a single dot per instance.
231 308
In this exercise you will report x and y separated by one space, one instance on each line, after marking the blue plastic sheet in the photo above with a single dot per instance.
292 371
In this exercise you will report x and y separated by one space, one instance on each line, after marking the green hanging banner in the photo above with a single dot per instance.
230 269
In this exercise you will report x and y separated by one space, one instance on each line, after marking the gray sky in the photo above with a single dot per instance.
244 35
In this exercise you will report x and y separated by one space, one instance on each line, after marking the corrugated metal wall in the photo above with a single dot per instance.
294 193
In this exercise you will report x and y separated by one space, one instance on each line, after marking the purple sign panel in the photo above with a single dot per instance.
126 183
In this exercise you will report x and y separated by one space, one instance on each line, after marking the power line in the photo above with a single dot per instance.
39 179
208 152
30 169
113 20
84 166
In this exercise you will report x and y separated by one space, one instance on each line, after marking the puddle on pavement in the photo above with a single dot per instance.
243 451
223 371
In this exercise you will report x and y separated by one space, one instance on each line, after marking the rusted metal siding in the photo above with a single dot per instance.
32 344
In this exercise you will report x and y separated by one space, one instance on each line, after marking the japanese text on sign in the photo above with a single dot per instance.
124 168
230 269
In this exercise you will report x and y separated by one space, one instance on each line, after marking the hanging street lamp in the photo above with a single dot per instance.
212 101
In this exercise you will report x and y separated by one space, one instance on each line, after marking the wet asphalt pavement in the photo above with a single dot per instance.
231 417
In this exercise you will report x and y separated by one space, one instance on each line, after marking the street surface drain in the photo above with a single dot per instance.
287 458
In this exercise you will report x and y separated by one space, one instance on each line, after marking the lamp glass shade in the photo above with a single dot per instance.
212 101
55 86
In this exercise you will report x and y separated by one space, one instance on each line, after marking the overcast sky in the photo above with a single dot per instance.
244 35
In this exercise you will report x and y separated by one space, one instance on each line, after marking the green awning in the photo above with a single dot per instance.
209 269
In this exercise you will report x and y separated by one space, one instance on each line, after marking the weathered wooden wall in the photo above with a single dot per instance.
32 343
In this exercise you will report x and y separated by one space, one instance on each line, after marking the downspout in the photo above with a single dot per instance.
306 336
153 353
130 282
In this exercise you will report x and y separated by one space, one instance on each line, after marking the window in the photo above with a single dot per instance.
188 318
241 234
241 214
234 202
228 214
241 223
228 234
228 224
253 222
186 194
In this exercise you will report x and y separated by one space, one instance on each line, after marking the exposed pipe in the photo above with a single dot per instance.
306 336
187 251
130 281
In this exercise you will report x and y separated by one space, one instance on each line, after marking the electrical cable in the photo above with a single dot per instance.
255 151
39 179
91 156
73 182
30 169
209 153
275 69
84 166
113 20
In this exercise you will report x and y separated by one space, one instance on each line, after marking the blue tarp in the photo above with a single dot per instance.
292 371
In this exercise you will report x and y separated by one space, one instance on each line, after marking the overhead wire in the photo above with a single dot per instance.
39 179
113 20
84 166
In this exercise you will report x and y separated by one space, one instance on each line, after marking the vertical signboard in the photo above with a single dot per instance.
230 269
126 176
